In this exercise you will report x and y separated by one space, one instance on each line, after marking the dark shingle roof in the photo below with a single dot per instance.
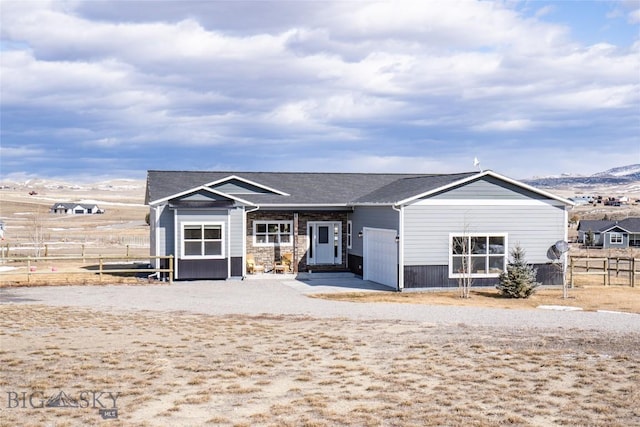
404 188
336 189
594 225
630 224
303 188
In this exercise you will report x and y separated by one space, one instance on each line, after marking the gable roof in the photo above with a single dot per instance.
631 225
284 189
595 225
67 205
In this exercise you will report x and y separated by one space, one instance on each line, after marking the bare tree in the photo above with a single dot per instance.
462 245
36 232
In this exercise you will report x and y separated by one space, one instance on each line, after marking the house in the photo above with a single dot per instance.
610 234
400 230
75 209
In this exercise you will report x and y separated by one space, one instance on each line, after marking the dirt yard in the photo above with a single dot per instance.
183 370
29 224
590 298
180 369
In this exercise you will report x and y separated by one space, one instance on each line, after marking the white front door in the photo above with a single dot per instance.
325 243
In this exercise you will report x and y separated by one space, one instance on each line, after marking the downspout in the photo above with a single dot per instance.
565 255
156 232
244 239
228 244
400 246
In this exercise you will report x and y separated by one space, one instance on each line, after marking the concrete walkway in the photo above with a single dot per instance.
286 295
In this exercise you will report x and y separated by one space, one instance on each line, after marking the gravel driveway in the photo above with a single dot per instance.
288 297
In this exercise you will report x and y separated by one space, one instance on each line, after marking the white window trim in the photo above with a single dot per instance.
619 238
202 224
269 244
349 234
453 275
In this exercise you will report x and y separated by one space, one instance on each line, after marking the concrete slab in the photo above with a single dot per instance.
315 283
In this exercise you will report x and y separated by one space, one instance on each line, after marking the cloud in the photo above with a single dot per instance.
505 125
303 80
19 152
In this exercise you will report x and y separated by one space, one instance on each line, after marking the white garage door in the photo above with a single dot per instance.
380 256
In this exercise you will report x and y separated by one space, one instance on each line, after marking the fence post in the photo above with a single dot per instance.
100 267
46 251
607 277
82 252
127 251
571 262
28 268
171 269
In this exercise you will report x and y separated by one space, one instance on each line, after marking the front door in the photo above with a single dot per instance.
325 243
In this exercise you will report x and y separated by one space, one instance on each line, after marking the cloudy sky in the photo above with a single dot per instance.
97 89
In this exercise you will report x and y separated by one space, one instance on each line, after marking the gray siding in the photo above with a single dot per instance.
374 217
152 232
236 232
165 231
200 216
238 187
427 228
185 215
606 240
202 196
488 188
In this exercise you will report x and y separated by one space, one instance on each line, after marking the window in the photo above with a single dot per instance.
349 233
202 240
268 233
479 255
616 238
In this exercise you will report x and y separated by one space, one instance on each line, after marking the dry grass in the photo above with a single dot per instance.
591 298
182 370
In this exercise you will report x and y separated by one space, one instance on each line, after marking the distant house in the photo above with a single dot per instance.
610 234
400 230
75 209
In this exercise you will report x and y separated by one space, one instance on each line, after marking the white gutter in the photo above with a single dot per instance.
156 231
228 243
176 232
400 246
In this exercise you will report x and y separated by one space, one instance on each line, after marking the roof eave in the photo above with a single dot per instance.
203 188
480 175
248 181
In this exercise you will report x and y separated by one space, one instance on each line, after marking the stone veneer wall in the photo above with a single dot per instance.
266 255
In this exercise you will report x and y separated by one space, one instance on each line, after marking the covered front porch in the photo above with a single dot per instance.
304 241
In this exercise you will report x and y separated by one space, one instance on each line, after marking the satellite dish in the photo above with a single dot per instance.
562 246
557 249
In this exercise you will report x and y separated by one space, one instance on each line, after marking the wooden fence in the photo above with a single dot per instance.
606 267
62 249
106 265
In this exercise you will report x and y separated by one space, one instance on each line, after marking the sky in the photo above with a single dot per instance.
92 90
